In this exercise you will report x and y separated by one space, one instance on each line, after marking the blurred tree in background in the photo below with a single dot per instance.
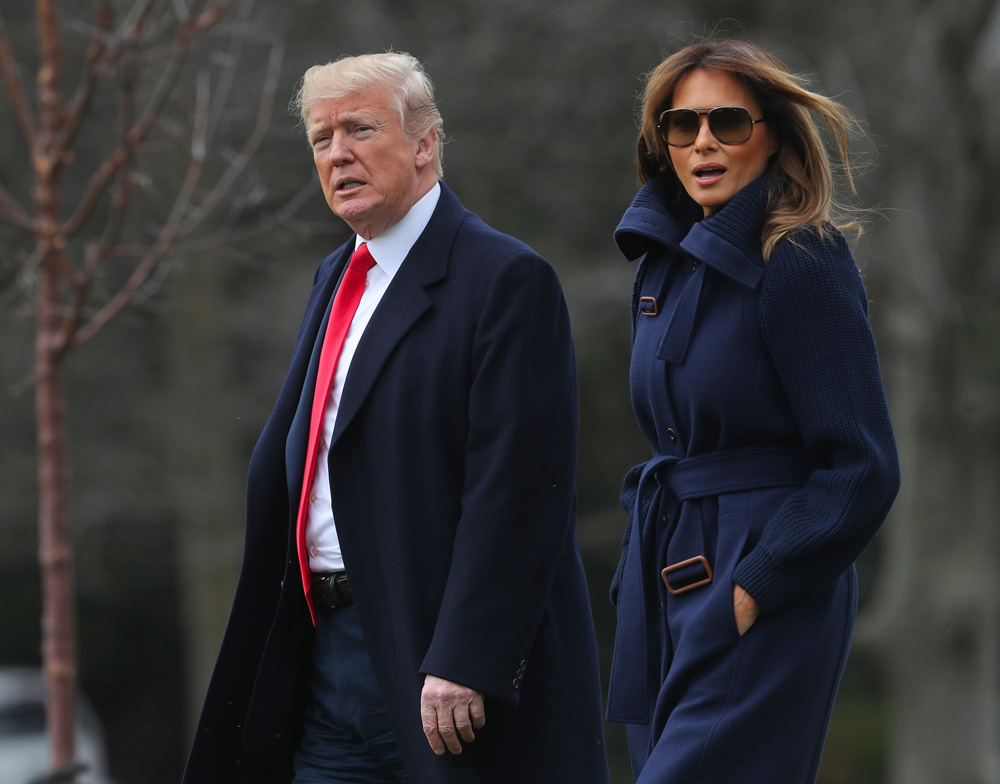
539 102
95 222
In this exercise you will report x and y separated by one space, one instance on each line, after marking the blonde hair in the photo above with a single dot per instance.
803 194
402 73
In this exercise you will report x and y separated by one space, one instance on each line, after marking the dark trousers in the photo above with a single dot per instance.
347 738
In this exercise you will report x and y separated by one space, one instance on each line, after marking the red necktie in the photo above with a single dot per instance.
345 305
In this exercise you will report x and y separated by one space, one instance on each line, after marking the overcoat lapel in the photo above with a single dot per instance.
305 364
403 303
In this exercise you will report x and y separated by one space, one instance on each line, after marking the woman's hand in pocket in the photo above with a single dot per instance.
746 610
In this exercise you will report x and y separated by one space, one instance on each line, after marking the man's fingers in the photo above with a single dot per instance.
470 716
438 719
477 710
446 727
451 713
439 727
463 723
430 723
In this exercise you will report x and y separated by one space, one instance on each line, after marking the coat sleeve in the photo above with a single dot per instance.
813 313
518 499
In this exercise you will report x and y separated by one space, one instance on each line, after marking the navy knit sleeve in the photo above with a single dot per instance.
813 314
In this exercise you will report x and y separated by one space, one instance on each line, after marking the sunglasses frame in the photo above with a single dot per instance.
704 111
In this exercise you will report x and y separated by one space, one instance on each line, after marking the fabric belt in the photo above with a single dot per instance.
635 584
331 590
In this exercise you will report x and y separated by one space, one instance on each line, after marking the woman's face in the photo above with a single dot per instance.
712 172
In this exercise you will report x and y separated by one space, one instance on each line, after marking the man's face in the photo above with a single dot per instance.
370 171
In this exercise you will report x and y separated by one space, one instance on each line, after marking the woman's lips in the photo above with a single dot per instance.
708 173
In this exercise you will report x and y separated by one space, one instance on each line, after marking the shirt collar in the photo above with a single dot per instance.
390 248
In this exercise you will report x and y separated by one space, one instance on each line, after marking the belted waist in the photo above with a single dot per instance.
727 471
713 473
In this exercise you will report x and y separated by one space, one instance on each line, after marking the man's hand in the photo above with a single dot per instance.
746 610
449 711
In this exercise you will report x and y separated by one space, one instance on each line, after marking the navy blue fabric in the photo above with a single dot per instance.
763 377
347 736
453 481
666 481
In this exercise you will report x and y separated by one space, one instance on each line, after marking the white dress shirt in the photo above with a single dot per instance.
389 250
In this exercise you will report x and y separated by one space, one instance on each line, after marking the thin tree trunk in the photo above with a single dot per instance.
69 259
55 546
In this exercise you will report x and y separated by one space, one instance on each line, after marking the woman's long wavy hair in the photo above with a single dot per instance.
803 195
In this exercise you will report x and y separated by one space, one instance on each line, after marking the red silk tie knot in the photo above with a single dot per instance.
362 260
345 305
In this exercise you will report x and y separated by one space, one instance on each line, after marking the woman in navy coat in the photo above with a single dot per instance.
756 381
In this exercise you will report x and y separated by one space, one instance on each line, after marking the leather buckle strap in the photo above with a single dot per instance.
688 574
331 590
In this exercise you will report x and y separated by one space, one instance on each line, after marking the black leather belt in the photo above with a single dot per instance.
331 590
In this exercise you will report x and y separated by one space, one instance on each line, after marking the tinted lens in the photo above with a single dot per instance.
679 127
730 124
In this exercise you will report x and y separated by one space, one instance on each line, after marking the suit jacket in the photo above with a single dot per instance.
452 468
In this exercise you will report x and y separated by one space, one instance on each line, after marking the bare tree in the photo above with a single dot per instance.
97 227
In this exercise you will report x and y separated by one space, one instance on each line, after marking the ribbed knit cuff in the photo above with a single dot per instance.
767 583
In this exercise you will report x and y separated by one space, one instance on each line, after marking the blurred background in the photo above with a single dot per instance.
539 102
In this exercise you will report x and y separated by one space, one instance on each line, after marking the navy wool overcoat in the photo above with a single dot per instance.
757 386
453 480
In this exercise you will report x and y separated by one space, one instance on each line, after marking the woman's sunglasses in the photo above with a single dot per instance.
728 124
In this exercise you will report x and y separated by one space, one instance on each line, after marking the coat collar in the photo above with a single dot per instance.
728 240
403 303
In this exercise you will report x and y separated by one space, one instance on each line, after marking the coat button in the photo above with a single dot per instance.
694 265
672 435
516 683
666 517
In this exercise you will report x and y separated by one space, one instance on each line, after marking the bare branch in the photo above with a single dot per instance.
18 99
168 232
283 218
138 132
182 11
230 72
12 212
101 54
242 158
123 178
124 296
209 17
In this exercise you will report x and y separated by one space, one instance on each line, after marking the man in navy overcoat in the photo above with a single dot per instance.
451 464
